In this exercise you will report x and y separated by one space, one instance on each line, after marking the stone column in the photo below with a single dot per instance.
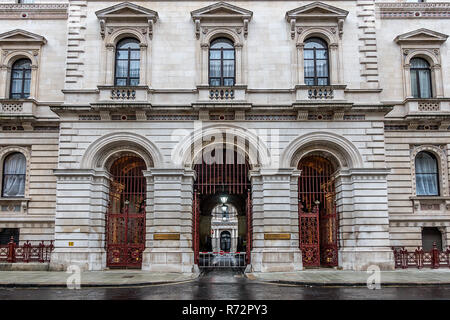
436 77
275 221
143 67
238 63
110 61
81 205
169 221
408 92
300 66
3 81
204 63
334 64
363 219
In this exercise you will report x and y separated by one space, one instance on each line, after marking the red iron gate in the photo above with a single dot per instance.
125 219
226 175
318 223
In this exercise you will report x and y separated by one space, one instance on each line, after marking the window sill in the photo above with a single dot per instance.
14 205
430 204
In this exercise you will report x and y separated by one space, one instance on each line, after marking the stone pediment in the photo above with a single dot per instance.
316 10
221 10
421 35
126 13
21 36
126 10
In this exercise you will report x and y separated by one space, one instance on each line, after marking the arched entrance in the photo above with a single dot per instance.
125 218
318 224
223 182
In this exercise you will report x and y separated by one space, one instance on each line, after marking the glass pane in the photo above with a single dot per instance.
426 163
135 54
214 68
414 89
214 54
214 82
322 81
221 43
121 82
427 185
27 74
134 82
322 68
128 43
419 63
16 86
26 89
321 54
15 164
121 68
122 54
424 81
309 68
134 69
16 74
228 82
228 54
309 81
308 54
315 43
228 68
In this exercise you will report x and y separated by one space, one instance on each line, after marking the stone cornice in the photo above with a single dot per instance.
34 11
408 10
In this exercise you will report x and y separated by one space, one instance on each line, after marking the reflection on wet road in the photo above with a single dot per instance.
226 285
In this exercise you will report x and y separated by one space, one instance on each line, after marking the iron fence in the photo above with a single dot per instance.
26 252
420 258
222 260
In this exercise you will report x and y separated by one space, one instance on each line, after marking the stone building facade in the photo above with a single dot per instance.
361 84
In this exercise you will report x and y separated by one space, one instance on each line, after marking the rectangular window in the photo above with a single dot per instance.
7 233
431 235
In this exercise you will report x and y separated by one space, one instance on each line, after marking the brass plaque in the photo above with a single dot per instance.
166 236
277 236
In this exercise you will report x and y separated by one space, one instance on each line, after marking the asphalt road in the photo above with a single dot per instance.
227 285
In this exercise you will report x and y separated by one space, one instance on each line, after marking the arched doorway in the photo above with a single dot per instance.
125 219
224 182
318 223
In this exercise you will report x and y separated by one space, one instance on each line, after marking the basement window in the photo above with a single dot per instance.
7 233
429 236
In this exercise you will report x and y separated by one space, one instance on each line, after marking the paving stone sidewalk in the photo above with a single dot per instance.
409 277
110 278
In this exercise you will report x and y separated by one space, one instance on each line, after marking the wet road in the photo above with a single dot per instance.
226 285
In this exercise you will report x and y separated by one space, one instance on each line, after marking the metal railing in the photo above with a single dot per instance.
421 259
222 260
26 252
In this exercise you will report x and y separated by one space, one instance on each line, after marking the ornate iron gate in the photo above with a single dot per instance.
125 219
229 177
318 223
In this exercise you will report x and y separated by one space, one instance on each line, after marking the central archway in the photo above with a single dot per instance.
222 179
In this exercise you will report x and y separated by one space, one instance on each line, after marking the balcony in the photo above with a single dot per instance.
116 94
11 109
426 108
316 94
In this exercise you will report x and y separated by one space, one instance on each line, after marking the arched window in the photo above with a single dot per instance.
14 171
221 63
427 174
20 79
316 62
420 78
127 62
